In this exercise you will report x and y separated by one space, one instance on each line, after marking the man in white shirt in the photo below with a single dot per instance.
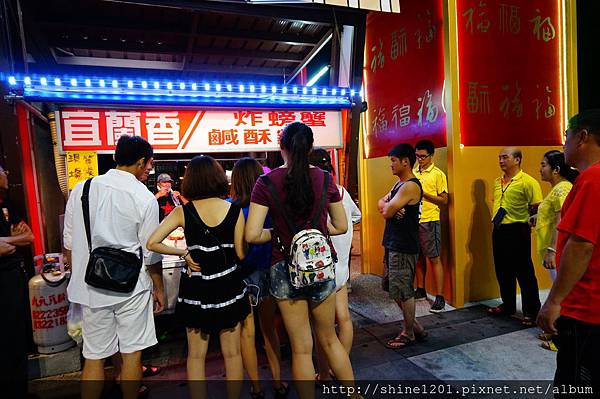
123 214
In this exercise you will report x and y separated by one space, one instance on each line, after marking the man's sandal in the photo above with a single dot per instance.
545 336
528 322
498 311
401 341
549 345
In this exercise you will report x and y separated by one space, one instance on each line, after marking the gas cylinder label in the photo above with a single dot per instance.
49 318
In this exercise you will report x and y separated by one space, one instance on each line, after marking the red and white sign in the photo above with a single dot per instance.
404 77
510 66
94 129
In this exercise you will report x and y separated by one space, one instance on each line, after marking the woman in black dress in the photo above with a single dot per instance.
212 295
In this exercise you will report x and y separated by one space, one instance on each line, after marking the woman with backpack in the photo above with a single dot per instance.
299 197
255 268
212 294
342 244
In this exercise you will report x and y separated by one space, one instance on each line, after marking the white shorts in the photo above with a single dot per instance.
126 327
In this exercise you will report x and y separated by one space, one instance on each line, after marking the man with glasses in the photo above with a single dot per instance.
572 309
435 194
14 232
516 196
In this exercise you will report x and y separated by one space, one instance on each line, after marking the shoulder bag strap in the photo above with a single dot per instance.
278 204
317 216
85 206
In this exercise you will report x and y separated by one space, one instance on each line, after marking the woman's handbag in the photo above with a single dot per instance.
108 268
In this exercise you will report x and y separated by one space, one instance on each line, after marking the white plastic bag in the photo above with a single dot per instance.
74 320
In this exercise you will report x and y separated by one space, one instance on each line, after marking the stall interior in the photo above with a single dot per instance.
174 164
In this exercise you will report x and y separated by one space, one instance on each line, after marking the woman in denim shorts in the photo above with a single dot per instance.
256 267
299 187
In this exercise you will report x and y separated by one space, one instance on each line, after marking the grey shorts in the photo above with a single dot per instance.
430 238
282 288
401 270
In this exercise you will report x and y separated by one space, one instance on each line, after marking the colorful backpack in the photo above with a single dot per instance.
310 259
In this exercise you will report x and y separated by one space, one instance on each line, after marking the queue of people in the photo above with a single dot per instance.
230 265
281 241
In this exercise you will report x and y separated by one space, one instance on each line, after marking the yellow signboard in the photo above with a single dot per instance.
81 165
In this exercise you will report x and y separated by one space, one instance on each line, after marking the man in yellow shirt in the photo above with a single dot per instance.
516 196
435 194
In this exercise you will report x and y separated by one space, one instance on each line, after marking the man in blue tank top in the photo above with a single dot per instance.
401 208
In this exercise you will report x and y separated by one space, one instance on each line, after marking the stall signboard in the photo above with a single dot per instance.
81 165
510 72
404 77
192 131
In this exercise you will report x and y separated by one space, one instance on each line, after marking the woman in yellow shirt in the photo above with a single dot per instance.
555 171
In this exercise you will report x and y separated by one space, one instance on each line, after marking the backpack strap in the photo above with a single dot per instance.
315 220
85 206
279 204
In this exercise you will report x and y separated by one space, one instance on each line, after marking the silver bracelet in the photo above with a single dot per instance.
551 249
182 257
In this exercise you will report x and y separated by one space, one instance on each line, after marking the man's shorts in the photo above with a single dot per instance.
429 238
282 288
401 270
126 327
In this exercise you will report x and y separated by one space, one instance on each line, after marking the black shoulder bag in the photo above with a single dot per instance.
108 268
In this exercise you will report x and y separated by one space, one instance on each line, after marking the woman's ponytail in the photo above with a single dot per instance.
297 140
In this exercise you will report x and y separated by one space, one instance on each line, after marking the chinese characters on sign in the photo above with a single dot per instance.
476 19
404 77
543 28
81 128
510 72
510 20
483 23
120 123
192 131
81 165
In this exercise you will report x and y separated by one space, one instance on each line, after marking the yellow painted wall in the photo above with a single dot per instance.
471 212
